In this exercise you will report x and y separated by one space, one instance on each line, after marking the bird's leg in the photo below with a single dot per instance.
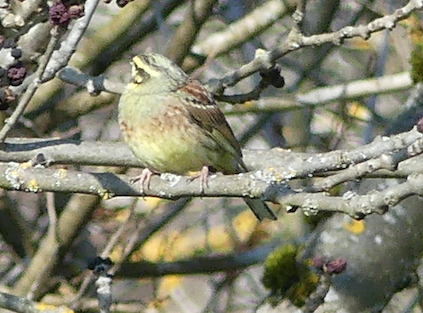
203 176
144 178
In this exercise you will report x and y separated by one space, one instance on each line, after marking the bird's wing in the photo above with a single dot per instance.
205 112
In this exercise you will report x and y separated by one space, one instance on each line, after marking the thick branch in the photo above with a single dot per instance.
169 186
283 163
274 169
198 265
106 185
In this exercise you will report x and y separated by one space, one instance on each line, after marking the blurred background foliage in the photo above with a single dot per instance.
211 250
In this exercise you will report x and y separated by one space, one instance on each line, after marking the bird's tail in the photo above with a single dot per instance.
260 209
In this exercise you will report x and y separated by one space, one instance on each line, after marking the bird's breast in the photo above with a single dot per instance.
161 134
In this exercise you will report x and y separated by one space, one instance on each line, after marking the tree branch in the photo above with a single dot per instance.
23 305
274 169
297 41
199 265
283 163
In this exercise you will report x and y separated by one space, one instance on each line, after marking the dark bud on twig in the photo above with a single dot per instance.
100 265
331 267
40 161
59 14
336 266
16 53
16 74
273 77
9 43
63 11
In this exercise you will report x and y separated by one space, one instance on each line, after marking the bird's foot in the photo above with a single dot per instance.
144 178
203 176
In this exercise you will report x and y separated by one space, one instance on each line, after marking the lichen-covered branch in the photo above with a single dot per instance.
268 183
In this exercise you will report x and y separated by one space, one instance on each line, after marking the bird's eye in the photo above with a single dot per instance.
139 75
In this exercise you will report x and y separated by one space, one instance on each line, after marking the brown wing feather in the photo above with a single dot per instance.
205 112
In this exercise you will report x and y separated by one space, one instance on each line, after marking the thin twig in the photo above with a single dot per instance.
129 247
62 56
299 13
106 252
51 209
26 98
318 296
298 41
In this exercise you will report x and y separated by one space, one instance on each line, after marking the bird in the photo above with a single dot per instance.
173 124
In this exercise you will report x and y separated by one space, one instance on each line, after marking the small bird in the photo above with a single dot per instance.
173 125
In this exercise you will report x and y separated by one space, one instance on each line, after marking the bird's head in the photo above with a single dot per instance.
155 73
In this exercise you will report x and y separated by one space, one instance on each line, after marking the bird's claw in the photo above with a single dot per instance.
144 178
203 176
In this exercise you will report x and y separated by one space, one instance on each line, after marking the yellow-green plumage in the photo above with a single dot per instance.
174 147
173 125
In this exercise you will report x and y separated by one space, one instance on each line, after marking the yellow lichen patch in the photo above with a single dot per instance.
15 173
25 165
356 227
276 173
106 194
62 173
33 186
